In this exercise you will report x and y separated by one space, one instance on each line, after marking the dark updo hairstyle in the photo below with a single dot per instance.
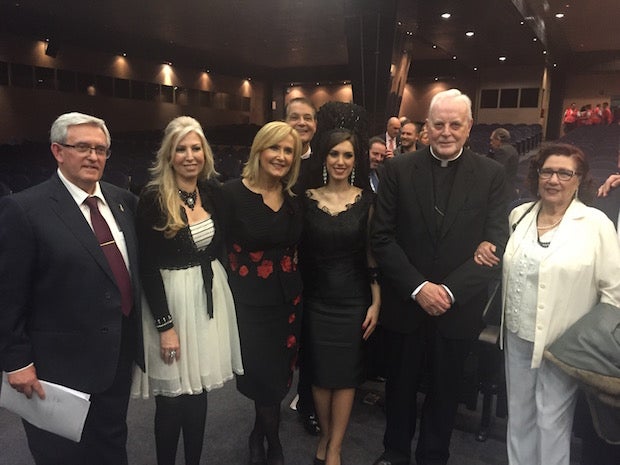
336 136
586 186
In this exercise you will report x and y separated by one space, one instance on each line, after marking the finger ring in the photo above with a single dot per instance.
173 353
479 255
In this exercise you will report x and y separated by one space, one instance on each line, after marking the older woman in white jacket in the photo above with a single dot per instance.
561 259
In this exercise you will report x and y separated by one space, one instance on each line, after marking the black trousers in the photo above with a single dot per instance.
422 356
104 438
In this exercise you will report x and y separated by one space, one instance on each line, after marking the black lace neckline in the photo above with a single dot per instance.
324 209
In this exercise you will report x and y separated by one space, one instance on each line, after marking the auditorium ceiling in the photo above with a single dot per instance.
295 37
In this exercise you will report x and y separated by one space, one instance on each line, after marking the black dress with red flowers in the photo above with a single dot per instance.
266 285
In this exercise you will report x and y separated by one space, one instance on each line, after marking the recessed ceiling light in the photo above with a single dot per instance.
446 15
544 52
436 78
454 57
469 33
521 23
434 46
502 58
475 68
555 65
559 15
535 39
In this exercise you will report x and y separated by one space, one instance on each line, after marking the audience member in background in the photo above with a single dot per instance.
433 293
264 224
561 259
423 136
341 292
403 120
571 115
585 116
301 115
391 136
376 155
70 293
504 152
607 116
409 139
190 333
596 117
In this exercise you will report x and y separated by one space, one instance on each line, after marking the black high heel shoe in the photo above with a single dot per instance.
257 450
318 461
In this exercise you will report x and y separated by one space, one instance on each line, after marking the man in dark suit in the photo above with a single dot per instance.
376 154
391 136
301 115
70 300
435 206
503 152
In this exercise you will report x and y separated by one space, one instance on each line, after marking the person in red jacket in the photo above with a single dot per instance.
570 117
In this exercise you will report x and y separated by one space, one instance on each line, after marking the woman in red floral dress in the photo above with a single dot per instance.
263 227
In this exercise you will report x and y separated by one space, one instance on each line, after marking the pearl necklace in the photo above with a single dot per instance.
551 225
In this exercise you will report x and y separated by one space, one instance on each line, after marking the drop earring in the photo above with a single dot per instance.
324 174
352 181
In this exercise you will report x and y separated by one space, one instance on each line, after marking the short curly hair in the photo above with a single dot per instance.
586 185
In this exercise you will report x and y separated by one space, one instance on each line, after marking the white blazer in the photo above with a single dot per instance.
580 268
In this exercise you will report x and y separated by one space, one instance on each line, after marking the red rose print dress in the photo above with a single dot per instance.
266 285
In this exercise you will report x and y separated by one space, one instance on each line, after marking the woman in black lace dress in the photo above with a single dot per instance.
341 293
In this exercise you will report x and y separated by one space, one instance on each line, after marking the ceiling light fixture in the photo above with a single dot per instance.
469 33
434 46
475 68
454 57
446 15
502 58
559 15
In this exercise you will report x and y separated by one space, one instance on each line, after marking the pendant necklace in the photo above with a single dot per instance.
188 198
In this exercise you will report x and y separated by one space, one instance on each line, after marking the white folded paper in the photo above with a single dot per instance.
62 412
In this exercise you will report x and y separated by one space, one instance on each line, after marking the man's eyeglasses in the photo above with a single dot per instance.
563 175
81 147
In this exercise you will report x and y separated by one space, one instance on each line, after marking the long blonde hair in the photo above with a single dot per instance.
270 134
162 171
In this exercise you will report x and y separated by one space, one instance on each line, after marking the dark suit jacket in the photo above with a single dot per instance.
59 302
409 251
610 205
508 156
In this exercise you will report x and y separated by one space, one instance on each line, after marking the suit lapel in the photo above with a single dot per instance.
463 182
70 214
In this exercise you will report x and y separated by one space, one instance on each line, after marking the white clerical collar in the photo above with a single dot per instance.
443 162
306 155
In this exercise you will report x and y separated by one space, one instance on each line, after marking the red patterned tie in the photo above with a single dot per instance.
112 254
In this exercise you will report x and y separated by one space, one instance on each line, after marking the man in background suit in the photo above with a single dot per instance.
71 309
434 208
503 152
301 115
391 136
376 154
